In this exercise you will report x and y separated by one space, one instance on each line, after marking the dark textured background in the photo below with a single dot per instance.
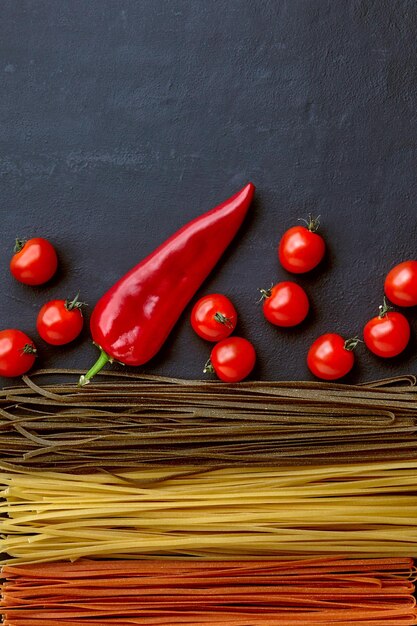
121 120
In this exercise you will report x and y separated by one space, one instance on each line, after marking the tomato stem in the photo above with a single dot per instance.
265 293
208 368
19 244
29 349
70 305
95 369
312 223
222 319
384 308
350 344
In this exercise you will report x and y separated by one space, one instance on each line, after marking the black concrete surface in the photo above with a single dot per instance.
120 120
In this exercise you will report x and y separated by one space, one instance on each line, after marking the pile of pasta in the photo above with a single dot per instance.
129 421
357 509
150 500
330 591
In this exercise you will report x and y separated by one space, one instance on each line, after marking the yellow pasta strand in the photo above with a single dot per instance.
364 509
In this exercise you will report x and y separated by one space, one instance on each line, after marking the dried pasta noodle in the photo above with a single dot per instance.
138 468
234 593
357 509
129 421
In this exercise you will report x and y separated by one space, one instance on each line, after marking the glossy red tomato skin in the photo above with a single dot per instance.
203 317
387 336
401 284
14 359
36 262
300 250
58 325
233 359
287 306
328 358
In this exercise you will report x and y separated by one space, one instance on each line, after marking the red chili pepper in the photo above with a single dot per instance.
133 319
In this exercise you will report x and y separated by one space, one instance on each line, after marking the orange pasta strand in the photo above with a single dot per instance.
318 592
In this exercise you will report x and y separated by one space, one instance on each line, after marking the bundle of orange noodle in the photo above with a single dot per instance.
332 591
357 509
129 421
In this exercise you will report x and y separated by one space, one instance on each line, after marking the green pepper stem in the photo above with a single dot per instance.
98 365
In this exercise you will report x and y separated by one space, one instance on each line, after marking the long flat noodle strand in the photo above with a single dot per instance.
129 421
363 509
322 591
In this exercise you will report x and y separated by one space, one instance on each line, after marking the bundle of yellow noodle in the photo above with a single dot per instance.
359 509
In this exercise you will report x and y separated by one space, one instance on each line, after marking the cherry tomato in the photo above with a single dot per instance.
331 357
34 261
17 352
232 359
401 284
60 321
285 304
214 317
301 248
388 333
